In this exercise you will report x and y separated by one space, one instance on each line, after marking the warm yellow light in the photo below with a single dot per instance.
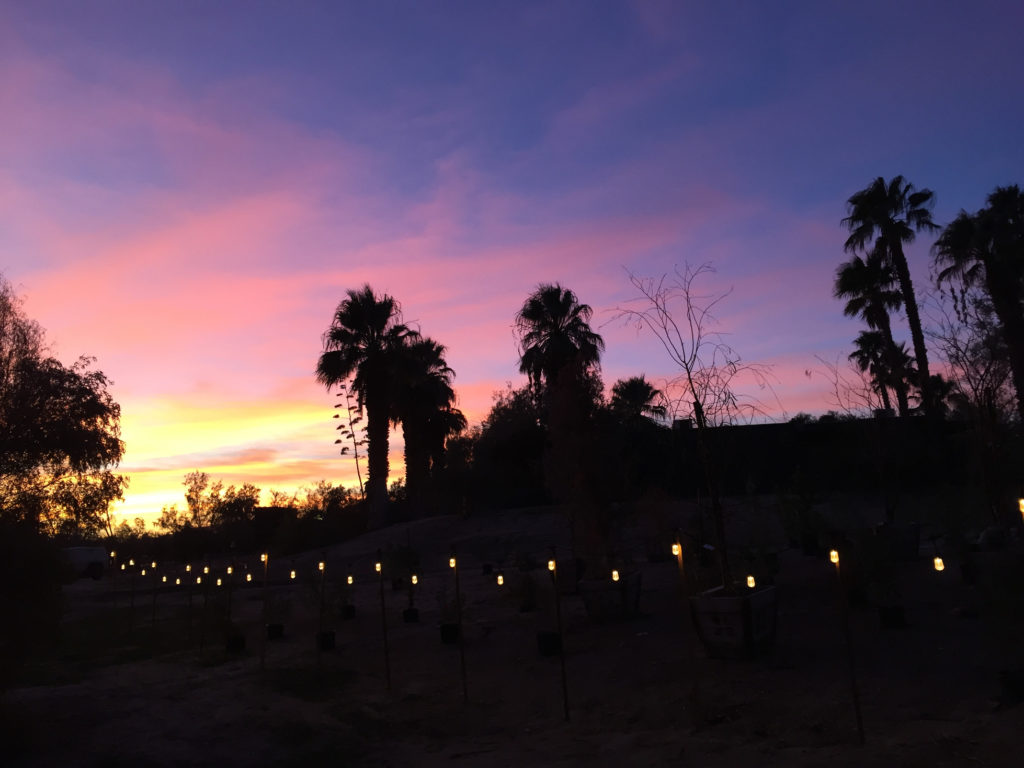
153 564
143 572
676 549
219 582
292 575
122 566
751 582
615 575
113 553
320 565
939 565
188 568
1020 505
451 562
177 582
350 579
415 579
263 557
164 579
551 565
248 577
834 556
376 567
199 579
131 561
230 570
206 569
501 580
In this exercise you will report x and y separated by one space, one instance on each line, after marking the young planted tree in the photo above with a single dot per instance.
883 217
681 318
364 341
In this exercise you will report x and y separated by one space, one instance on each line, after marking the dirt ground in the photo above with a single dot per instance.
640 692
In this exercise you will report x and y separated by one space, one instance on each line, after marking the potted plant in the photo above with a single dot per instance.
448 610
611 596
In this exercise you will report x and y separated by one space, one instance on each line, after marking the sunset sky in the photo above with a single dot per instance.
187 189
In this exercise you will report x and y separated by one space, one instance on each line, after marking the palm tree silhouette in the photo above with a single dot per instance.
363 342
888 365
554 333
869 287
882 217
424 404
988 248
636 398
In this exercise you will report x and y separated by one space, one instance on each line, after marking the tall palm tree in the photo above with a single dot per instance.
423 397
363 343
636 398
869 287
988 249
882 217
554 334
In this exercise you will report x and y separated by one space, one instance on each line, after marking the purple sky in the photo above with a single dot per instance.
188 188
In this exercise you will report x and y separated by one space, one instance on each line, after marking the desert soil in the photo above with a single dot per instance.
640 692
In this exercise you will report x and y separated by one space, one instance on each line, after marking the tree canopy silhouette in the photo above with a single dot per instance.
60 433
987 249
869 287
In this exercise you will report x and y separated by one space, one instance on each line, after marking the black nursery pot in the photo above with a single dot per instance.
549 643
234 642
326 640
892 617
411 615
449 633
348 612
275 631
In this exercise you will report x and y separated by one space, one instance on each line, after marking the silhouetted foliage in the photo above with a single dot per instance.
507 452
425 407
869 288
987 249
881 218
59 433
363 343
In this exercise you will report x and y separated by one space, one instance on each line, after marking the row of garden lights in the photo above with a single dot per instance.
937 563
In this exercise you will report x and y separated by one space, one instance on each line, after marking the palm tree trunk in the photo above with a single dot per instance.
884 392
914 321
417 468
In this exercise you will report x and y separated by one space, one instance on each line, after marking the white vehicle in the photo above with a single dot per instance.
87 561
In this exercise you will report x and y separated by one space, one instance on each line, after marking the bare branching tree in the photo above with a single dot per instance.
683 320
852 392
965 332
